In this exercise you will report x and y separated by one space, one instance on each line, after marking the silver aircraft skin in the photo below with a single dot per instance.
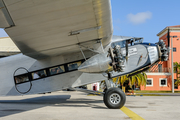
20 64
70 44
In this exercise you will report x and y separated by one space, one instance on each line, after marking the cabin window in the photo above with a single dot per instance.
21 78
163 81
39 74
56 70
74 66
149 82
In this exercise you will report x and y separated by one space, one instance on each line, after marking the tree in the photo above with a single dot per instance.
177 71
132 78
138 79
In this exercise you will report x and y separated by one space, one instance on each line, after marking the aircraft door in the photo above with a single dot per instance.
22 80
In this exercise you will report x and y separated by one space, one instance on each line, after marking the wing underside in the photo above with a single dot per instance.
43 28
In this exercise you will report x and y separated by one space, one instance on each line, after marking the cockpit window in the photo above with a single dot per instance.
120 43
130 42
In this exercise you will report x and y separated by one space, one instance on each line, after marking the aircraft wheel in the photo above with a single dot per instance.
114 98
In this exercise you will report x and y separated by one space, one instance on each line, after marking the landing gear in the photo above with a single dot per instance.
114 98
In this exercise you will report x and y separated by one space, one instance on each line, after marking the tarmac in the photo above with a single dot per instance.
73 105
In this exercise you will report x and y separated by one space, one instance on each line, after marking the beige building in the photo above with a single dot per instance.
7 47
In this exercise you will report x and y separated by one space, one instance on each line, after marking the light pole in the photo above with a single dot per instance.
172 66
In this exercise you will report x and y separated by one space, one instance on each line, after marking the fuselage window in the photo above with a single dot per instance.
21 78
56 70
39 74
74 66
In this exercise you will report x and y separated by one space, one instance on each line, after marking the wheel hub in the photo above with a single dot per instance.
115 98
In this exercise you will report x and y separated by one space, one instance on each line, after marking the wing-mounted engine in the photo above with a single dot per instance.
118 60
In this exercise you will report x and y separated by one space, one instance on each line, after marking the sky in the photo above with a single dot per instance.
144 18
141 18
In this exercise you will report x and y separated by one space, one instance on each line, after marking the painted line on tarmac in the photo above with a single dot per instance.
131 114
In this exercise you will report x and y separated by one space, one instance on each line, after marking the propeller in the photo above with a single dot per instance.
127 41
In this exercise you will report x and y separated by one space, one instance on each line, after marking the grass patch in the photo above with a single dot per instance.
146 91
149 95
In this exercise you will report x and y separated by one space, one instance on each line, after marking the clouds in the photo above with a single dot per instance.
139 17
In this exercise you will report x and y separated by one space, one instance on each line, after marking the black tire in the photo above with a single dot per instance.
118 95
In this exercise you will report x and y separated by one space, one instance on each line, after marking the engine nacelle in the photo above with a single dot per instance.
139 56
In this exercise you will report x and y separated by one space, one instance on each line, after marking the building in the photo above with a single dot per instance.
159 76
7 47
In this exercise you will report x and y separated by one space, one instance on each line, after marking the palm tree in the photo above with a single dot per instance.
138 79
177 71
176 67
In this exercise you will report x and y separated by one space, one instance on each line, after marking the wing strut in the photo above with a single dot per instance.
82 52
100 48
89 48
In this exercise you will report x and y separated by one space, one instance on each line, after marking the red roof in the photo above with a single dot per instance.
174 26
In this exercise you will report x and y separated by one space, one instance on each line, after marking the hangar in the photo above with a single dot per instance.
7 47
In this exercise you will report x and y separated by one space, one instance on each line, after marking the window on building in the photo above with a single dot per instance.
39 74
160 67
149 82
175 68
21 78
74 66
56 70
163 82
174 49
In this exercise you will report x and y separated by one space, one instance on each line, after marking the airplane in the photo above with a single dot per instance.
67 44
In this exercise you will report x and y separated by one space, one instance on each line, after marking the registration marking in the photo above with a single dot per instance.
131 114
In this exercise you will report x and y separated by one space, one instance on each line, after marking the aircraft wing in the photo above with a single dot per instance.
44 28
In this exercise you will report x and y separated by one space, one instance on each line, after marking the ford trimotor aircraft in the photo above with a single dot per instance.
66 44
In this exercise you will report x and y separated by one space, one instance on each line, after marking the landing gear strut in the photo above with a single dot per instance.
114 98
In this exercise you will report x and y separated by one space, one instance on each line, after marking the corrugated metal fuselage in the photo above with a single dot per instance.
140 57
11 64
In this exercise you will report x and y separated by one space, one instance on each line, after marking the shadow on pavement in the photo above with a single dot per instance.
9 107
